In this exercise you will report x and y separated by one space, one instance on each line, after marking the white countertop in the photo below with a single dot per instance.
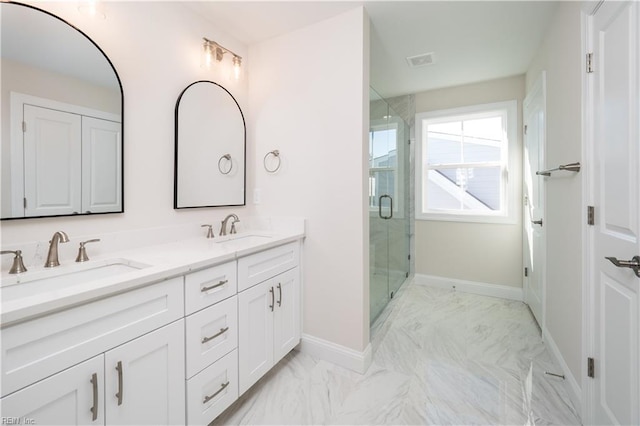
161 261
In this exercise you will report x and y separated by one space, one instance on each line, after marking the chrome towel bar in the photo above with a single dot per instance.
572 167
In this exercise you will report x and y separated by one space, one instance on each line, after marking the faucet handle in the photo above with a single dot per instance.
18 264
82 251
233 227
210 231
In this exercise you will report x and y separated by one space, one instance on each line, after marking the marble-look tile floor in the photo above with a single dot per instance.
441 357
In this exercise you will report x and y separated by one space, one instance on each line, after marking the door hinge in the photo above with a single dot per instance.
525 129
406 275
589 62
24 127
409 257
526 271
591 368
591 215
24 203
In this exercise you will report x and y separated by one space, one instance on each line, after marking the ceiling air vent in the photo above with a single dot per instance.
420 60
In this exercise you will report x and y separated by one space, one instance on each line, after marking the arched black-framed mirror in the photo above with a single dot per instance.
210 148
62 119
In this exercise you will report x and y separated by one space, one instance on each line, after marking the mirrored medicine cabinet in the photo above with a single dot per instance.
62 121
210 148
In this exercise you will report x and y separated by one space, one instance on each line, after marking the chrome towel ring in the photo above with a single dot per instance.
276 154
228 158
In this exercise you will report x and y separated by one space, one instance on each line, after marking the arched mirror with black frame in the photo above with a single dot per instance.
62 119
210 148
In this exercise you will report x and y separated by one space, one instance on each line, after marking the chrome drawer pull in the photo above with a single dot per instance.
221 283
279 294
94 409
222 331
209 398
119 393
272 299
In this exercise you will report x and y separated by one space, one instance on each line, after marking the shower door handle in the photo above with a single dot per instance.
390 207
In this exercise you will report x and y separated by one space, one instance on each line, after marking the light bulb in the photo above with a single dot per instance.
207 55
237 67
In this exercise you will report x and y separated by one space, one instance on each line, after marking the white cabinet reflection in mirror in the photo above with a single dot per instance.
209 148
65 159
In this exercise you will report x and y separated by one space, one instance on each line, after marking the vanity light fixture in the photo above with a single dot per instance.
213 52
92 8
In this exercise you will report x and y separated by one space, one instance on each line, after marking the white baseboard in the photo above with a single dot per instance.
475 287
337 354
575 393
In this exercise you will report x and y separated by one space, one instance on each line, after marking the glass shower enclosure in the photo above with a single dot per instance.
388 203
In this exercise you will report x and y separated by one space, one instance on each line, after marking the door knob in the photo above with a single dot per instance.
537 222
634 263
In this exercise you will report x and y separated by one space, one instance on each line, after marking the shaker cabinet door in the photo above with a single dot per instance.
74 396
145 379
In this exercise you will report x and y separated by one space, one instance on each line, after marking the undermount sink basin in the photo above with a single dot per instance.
47 280
244 238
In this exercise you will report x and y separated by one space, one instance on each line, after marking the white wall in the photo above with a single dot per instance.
155 47
309 98
561 56
486 253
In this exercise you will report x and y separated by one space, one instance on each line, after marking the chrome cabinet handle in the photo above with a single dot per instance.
272 298
634 263
221 283
221 332
537 222
94 409
279 294
119 393
210 397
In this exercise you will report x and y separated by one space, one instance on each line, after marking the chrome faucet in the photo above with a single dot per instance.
223 228
52 256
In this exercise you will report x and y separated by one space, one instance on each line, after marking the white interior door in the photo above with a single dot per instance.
52 177
534 114
613 396
101 166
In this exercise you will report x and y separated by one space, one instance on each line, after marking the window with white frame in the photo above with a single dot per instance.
464 156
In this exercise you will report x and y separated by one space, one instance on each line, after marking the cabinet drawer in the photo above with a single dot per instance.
261 266
41 347
209 286
211 333
211 391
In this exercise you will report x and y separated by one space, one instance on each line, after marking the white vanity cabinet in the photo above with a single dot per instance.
211 341
55 358
268 312
177 351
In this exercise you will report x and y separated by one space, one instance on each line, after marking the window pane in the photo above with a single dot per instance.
475 152
484 128
464 189
381 182
442 193
444 149
483 184
382 148
450 128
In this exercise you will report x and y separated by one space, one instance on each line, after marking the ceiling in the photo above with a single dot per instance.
471 40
